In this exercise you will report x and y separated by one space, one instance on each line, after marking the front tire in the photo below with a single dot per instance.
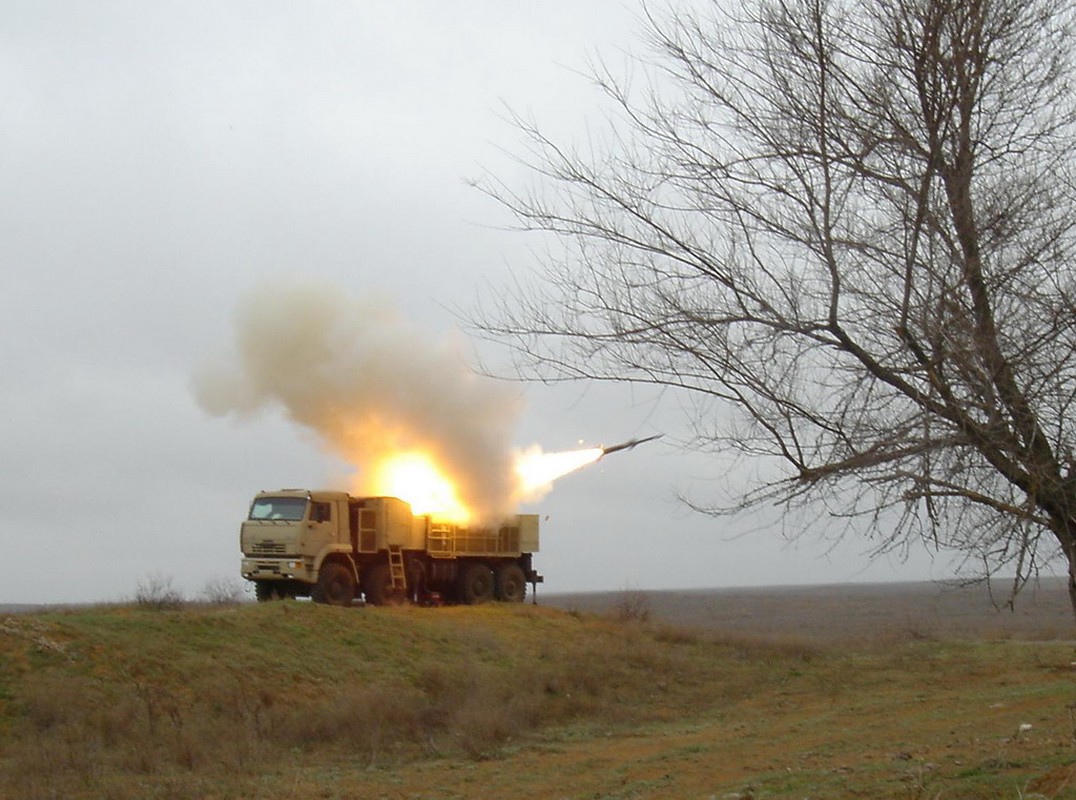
335 586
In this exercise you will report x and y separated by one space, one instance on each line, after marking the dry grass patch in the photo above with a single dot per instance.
302 701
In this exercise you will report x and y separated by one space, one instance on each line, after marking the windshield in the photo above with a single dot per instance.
291 509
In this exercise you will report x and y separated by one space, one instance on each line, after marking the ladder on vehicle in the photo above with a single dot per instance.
396 568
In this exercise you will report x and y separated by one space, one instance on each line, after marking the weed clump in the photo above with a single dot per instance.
223 592
632 606
157 592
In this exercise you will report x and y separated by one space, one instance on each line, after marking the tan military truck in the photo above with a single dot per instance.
333 547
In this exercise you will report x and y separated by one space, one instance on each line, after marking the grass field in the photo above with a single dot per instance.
294 700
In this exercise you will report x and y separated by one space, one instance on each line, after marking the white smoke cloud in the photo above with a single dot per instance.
368 384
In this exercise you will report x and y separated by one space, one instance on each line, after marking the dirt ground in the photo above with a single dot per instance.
827 613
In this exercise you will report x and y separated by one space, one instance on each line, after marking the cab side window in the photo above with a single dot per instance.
320 512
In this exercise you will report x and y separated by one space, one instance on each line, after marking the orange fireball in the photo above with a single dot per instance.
417 479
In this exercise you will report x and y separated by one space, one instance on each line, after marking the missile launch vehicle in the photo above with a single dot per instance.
334 548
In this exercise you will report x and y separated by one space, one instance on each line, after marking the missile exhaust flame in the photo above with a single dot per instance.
536 470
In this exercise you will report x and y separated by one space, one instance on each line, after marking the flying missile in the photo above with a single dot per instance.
628 445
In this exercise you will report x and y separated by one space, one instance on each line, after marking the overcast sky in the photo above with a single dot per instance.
161 160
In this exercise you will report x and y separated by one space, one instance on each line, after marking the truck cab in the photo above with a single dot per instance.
286 538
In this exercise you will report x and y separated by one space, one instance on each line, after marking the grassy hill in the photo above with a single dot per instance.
294 700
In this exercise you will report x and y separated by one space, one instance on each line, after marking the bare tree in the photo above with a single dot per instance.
853 223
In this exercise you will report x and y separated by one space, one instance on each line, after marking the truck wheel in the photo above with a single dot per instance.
335 586
511 583
377 586
475 584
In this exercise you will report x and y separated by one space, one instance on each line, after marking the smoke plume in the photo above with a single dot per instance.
369 385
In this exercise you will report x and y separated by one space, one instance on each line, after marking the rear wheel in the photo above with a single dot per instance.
475 584
511 583
335 585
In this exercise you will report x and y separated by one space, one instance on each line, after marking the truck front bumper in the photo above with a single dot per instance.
279 569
